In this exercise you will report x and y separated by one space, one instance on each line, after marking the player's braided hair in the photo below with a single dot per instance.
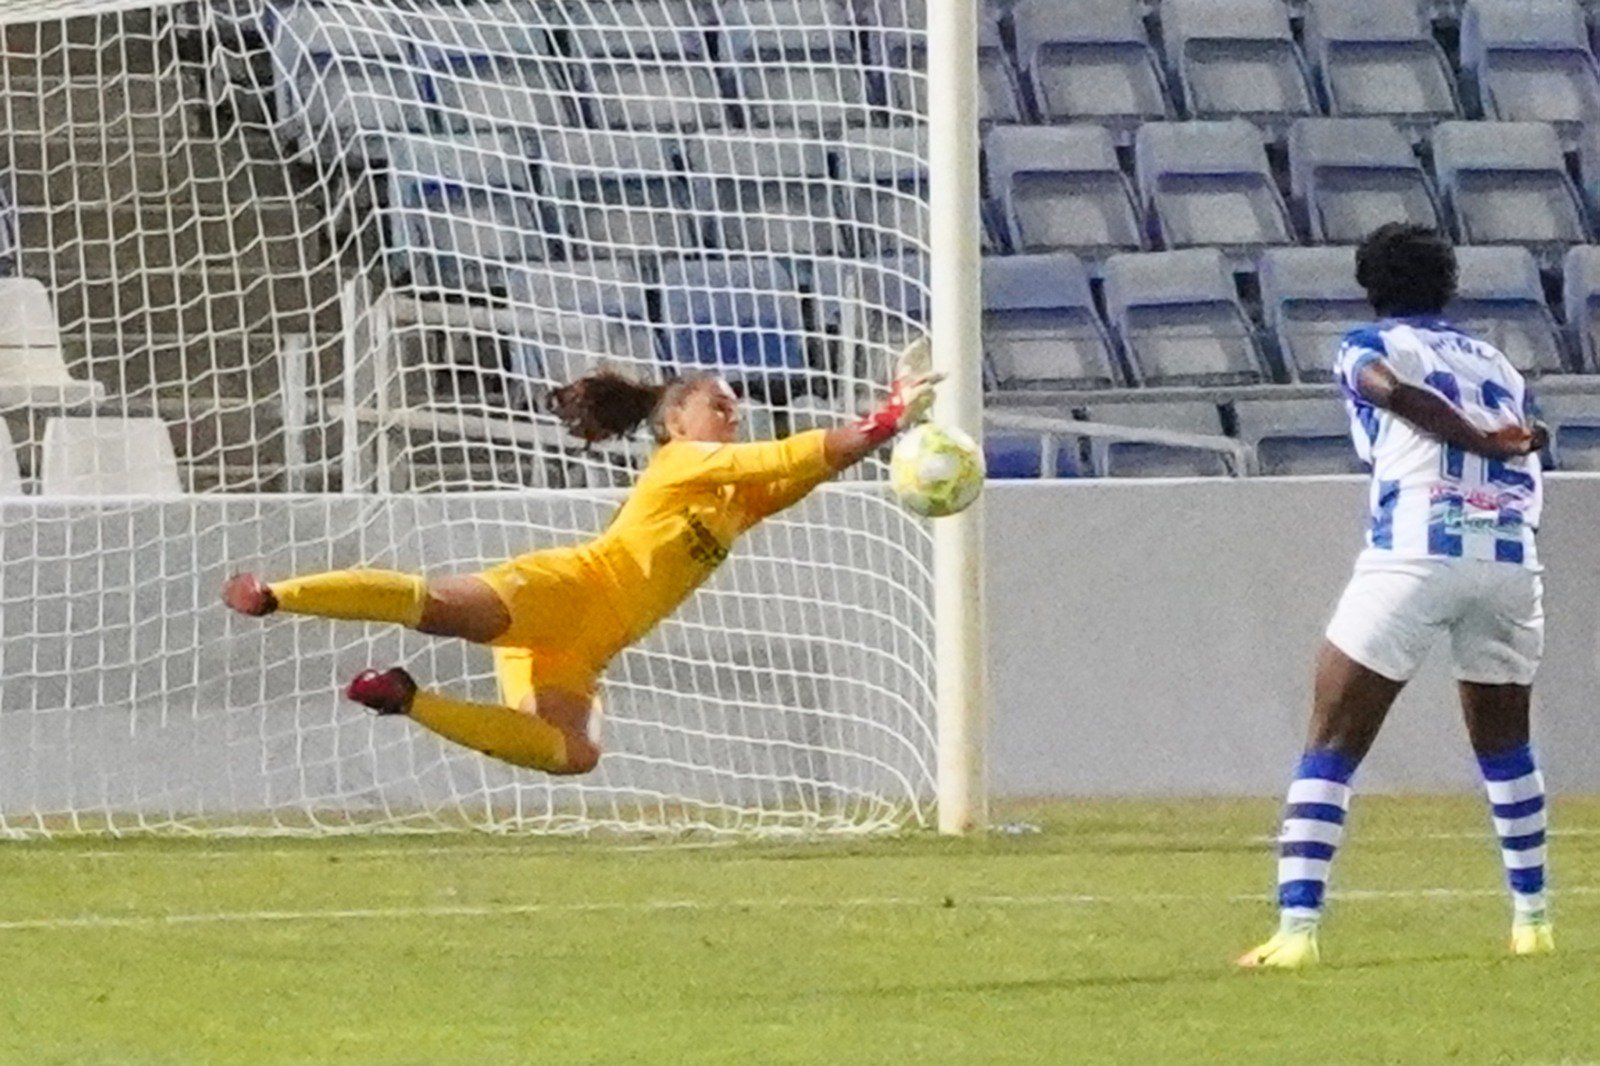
606 405
1406 269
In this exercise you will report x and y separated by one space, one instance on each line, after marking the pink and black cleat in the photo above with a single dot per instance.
385 691
249 595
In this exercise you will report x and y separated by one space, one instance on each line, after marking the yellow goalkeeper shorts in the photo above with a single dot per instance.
563 632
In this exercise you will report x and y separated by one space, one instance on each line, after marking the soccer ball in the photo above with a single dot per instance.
936 470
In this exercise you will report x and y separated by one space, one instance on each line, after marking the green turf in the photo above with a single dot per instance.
1107 937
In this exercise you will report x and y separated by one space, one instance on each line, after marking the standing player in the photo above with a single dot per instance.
1444 420
555 618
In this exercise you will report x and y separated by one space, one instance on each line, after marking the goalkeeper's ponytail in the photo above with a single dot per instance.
606 405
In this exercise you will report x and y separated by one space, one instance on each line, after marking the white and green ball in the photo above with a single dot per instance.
936 470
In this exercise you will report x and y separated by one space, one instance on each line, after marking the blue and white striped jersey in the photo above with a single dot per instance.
1429 499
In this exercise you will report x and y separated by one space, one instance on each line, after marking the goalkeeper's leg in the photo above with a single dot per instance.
547 731
464 606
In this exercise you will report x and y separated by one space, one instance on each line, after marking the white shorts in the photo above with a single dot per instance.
1394 609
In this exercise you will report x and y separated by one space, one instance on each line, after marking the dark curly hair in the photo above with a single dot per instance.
1406 270
606 405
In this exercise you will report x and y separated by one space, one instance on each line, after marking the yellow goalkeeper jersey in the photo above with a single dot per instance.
575 608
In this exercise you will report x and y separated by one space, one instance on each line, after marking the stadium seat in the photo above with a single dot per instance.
460 208
877 306
1530 61
1379 58
1582 278
576 316
1310 300
1507 183
1298 436
1090 60
108 457
619 193
1350 176
645 66
1179 320
30 339
1502 301
997 78
341 75
1574 423
11 483
1114 458
10 245
1040 328
1231 58
741 315
886 187
1020 456
1208 184
796 64
765 194
493 65
1060 188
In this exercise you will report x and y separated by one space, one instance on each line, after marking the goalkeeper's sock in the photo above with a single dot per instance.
1313 826
1517 804
499 732
355 595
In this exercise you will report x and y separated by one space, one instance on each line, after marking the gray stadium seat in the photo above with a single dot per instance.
796 64
579 315
618 194
1574 423
10 247
1236 57
765 193
1040 328
740 315
342 75
494 66
1298 436
877 306
645 66
997 78
1507 183
1310 300
460 208
1020 457
1350 176
1090 61
1179 320
885 172
1379 58
11 483
1060 188
1582 276
1530 62
1209 184
1113 458
1502 300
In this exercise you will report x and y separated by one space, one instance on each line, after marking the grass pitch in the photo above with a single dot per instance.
1108 936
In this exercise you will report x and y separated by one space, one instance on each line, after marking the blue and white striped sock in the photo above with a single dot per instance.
1313 826
1516 798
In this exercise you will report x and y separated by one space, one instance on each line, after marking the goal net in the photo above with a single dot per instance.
284 287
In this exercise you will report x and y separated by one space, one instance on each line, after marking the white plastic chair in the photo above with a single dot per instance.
10 472
30 340
108 457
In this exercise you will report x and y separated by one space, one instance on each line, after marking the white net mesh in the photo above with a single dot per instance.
283 288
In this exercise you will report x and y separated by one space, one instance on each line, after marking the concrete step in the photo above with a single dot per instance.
244 365
142 107
200 302
248 161
82 171
100 239
93 45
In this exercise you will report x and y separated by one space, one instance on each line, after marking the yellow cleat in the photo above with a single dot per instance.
1533 938
1293 950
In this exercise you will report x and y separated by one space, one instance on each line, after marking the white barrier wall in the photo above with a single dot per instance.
1147 639
1157 638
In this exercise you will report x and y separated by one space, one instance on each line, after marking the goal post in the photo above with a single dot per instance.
957 310
298 277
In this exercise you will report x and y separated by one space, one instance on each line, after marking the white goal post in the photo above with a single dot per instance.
285 288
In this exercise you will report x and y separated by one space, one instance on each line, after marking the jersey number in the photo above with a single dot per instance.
1495 471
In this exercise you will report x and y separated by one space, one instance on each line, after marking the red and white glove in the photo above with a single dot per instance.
910 397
